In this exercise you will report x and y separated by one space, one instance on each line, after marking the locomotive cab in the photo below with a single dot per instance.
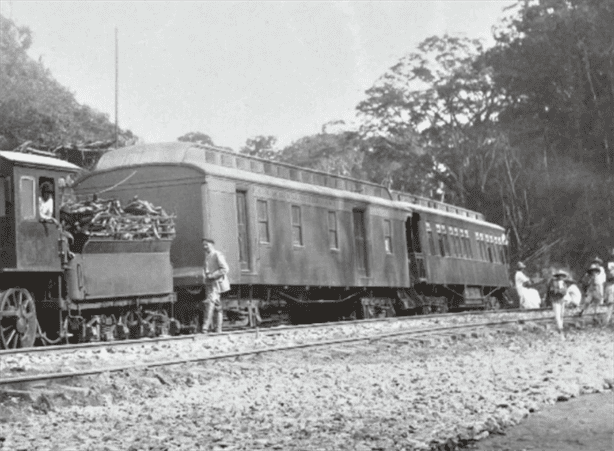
31 190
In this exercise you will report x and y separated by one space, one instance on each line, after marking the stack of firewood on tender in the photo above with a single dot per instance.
138 220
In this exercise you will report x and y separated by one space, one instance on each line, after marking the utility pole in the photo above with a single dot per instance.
116 89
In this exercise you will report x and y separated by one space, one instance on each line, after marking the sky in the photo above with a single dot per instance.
234 70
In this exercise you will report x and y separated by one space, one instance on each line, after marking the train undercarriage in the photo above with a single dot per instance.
29 317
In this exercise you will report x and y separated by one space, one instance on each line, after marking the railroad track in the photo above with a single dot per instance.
411 334
263 330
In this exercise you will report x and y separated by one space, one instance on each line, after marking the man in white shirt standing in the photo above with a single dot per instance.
216 283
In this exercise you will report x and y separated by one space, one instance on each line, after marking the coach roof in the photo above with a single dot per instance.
225 163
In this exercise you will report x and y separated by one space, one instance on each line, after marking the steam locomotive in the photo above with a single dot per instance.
299 242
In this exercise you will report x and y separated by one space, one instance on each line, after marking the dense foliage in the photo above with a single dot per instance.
35 107
523 131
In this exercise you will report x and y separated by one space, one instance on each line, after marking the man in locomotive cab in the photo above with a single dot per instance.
216 282
45 202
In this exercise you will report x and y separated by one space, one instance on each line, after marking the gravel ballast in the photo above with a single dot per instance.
393 394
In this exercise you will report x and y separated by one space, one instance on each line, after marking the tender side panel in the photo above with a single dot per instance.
120 269
178 190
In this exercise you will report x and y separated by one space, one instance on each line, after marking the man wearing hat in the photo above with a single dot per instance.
600 277
557 290
593 280
609 289
45 202
216 282
529 297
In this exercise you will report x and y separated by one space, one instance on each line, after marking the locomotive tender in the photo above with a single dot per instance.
49 292
302 241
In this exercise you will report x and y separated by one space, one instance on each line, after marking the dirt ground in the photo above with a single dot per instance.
584 423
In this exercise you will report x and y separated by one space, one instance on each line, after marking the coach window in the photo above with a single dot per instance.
452 238
468 249
333 238
453 251
27 198
450 241
446 241
388 236
458 243
440 238
263 221
463 244
429 234
491 258
478 238
3 196
297 227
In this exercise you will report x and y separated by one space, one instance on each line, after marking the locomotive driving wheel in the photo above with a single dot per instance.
18 323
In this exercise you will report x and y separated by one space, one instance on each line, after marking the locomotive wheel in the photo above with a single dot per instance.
18 323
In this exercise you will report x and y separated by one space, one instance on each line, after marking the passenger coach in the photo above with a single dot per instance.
297 238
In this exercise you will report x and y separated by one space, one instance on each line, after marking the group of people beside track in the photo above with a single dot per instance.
595 288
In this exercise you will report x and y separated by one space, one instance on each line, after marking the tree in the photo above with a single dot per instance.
261 146
197 137
441 104
34 106
554 65
555 61
337 153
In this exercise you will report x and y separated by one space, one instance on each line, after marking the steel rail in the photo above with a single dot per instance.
260 330
222 356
